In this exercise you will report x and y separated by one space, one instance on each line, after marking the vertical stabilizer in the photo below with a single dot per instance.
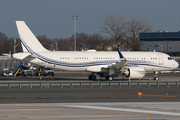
29 42
24 49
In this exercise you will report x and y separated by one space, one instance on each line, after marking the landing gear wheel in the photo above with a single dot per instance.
109 78
156 78
156 75
92 77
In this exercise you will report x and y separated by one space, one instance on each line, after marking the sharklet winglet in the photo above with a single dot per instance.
120 54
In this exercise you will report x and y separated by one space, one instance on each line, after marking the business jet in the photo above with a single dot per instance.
133 65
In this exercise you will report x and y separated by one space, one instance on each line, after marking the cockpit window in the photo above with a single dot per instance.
169 58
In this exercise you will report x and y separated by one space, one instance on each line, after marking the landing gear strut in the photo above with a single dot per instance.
156 75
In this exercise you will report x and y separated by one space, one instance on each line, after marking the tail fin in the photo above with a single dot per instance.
28 41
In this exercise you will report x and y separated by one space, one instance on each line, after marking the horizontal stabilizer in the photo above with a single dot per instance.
29 58
24 56
6 54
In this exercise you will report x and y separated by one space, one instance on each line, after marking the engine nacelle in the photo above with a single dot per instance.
134 72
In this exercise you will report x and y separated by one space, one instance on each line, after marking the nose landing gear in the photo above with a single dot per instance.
156 75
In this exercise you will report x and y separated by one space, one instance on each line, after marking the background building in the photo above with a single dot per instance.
161 41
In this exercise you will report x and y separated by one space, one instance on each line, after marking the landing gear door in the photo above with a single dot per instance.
160 59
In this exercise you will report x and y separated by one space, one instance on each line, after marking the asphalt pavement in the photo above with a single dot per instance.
90 103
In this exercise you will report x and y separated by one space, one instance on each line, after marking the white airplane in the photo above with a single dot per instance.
133 65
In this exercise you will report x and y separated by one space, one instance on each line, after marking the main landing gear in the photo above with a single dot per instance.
92 77
156 75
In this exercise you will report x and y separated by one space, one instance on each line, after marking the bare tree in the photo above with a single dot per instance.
3 38
134 27
125 33
46 42
115 26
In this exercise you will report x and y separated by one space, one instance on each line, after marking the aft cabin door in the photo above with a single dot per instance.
160 58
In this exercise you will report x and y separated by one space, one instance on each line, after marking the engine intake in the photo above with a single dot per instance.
134 72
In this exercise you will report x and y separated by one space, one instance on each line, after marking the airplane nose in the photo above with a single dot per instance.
176 64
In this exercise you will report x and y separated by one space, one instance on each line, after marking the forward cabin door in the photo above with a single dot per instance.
160 58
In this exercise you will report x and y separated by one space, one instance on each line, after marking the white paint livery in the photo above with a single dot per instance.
106 64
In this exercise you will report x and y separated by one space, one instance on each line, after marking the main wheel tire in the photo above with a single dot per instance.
92 77
110 78
107 78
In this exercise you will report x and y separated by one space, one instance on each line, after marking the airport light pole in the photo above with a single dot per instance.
15 46
75 18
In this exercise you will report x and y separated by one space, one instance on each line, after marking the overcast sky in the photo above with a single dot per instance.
53 18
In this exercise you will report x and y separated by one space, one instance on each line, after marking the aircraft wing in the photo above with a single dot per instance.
119 64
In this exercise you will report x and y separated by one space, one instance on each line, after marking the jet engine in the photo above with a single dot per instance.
134 72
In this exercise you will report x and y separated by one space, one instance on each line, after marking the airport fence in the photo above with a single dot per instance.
86 85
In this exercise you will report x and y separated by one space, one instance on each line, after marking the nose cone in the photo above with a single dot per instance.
175 64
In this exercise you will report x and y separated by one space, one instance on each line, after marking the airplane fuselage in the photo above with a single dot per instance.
93 60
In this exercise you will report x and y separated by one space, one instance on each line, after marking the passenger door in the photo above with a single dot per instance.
160 59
